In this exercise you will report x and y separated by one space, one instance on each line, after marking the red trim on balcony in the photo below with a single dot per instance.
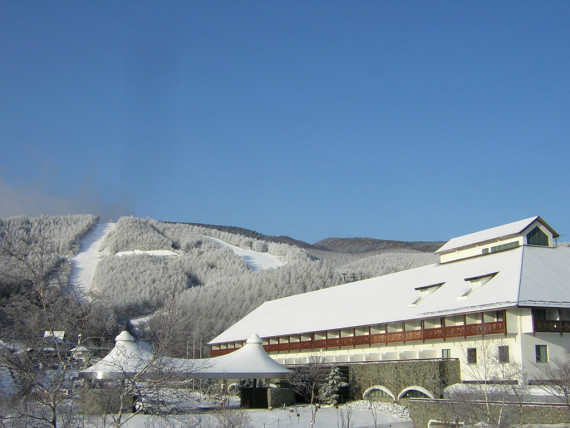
439 333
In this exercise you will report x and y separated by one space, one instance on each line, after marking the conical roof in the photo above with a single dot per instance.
125 359
249 362
129 357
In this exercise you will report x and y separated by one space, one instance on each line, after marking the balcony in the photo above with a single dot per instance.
551 326
439 333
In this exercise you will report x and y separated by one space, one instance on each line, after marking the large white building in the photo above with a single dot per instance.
505 289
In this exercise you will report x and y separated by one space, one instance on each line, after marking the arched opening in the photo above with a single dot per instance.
378 392
415 392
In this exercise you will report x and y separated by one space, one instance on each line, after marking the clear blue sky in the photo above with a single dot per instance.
407 120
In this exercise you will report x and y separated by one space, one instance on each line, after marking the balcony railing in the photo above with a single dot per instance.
552 326
439 333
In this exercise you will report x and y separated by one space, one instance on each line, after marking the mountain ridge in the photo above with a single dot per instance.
365 245
343 245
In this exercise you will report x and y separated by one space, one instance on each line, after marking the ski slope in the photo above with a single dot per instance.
83 264
254 259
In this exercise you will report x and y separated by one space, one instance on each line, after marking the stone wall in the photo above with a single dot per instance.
432 375
423 411
279 397
253 398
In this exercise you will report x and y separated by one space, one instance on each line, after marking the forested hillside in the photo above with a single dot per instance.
364 245
35 292
210 283
57 238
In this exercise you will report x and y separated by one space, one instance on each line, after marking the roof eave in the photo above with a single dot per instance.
545 224
477 244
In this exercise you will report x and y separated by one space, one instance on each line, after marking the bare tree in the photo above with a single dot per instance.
39 366
345 419
224 417
497 386
307 379
556 379
42 321
144 379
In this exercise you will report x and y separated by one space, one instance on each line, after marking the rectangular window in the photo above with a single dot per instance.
541 354
471 355
499 315
446 353
503 354
504 247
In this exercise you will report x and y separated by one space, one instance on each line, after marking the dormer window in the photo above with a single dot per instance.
477 282
537 237
426 291
531 231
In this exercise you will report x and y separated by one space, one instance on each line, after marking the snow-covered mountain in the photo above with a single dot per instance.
218 274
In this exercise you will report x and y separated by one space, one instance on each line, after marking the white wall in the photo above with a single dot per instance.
477 249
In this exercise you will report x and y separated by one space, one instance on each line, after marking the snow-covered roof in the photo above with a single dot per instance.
59 335
129 357
126 358
545 277
249 362
79 349
520 276
506 230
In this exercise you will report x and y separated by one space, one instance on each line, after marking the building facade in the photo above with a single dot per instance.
502 294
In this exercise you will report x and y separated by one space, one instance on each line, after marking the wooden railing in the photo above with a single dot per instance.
552 326
439 333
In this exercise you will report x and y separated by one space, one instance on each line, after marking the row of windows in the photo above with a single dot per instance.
502 356
534 237
501 247
541 353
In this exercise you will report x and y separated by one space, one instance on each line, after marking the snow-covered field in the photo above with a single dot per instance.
83 264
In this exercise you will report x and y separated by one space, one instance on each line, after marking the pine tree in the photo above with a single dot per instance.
331 391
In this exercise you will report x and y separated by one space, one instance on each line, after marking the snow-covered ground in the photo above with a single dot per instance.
83 264
254 259
357 413
159 253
